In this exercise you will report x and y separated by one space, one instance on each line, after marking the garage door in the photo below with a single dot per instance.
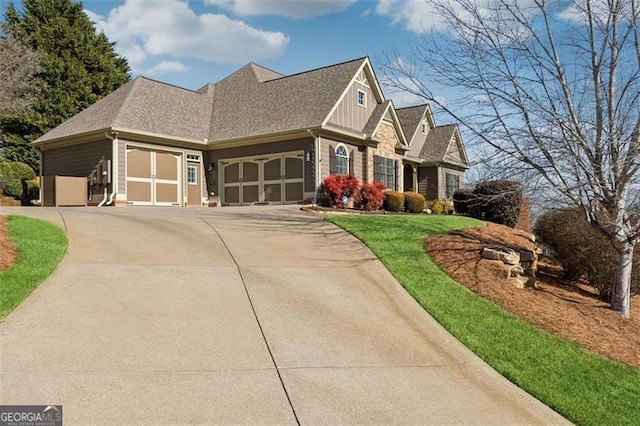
274 179
153 177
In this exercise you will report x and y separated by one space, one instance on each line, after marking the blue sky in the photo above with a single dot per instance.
190 43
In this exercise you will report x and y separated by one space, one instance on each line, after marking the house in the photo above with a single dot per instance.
436 161
254 137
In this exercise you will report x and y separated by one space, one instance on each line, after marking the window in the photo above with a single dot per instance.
424 129
453 184
342 160
362 98
192 175
385 171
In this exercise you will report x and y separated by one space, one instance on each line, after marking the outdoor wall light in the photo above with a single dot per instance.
210 167
307 156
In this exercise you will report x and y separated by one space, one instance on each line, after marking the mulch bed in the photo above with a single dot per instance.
7 249
563 308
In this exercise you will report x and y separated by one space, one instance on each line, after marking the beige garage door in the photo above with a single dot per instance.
153 177
273 179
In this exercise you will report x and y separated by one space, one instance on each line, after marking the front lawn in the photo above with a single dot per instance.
40 246
583 387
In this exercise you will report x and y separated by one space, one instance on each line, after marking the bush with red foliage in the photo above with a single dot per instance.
370 196
338 186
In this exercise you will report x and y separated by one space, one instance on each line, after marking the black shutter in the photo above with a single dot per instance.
376 169
352 162
395 175
332 160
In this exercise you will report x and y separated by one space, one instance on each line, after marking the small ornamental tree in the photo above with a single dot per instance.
338 186
370 196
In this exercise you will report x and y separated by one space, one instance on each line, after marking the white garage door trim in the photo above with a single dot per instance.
153 180
256 190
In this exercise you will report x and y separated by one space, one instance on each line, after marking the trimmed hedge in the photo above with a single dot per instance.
414 202
393 201
440 206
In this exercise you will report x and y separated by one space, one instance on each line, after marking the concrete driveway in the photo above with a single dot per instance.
237 315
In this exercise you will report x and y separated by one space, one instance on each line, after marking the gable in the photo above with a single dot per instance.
348 113
455 151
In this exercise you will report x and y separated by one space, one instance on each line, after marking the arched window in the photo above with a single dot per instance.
342 160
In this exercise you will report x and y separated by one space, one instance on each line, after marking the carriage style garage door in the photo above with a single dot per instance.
272 179
153 177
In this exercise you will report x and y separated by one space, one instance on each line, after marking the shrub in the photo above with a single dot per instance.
16 180
393 201
497 201
582 250
414 202
370 196
440 206
461 199
338 186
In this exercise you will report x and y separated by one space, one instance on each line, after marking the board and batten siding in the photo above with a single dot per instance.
351 115
76 160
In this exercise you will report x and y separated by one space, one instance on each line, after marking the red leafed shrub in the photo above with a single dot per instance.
370 196
338 186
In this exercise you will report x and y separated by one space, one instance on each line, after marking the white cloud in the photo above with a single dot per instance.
146 29
417 16
420 16
288 8
166 67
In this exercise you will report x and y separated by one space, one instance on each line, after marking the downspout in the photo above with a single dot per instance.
317 160
114 172
41 182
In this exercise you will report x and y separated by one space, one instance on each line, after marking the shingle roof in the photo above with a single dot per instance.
144 105
410 118
437 143
376 116
252 101
244 107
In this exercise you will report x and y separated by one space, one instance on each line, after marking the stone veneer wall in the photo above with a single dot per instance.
387 148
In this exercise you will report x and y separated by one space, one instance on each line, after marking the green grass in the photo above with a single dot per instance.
583 387
40 246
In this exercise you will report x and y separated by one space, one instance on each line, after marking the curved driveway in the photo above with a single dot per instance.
237 315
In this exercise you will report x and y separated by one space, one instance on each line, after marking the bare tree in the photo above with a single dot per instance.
18 68
559 91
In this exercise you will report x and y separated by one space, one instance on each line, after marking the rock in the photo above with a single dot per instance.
506 255
516 270
516 281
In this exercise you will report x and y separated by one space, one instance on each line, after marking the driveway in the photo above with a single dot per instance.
237 315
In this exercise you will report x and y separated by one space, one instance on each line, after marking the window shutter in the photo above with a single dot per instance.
376 169
332 160
352 162
395 175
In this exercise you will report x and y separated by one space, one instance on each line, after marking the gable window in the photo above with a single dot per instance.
385 171
342 160
192 175
362 98
453 184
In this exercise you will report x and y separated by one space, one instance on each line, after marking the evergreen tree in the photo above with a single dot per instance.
79 67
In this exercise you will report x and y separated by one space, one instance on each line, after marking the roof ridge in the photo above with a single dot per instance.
134 83
166 84
318 69
414 106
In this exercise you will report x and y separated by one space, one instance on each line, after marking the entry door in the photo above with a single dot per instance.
153 177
